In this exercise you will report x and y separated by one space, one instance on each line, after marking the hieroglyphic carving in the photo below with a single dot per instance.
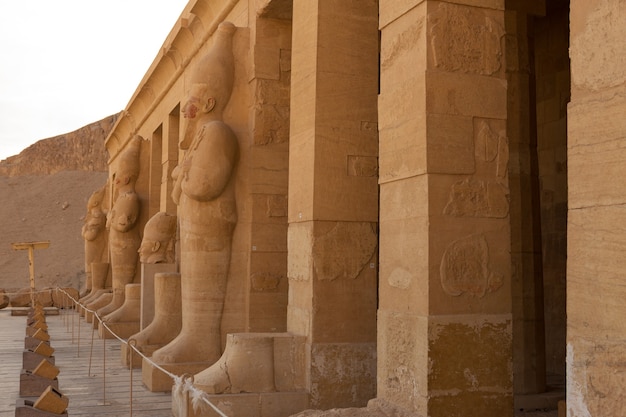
465 268
344 251
362 166
465 39
477 198
400 278
492 145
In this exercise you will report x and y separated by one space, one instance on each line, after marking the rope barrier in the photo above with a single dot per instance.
182 384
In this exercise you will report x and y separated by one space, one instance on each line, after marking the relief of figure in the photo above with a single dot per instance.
124 238
93 232
204 192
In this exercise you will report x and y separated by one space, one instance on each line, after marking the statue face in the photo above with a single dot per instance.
123 215
149 251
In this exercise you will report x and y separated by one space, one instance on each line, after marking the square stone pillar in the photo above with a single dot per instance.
333 197
596 231
445 309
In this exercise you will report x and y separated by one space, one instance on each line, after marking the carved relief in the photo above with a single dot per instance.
344 251
491 145
400 278
465 39
264 282
362 166
465 268
477 198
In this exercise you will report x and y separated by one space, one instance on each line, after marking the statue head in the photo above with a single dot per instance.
96 198
127 170
211 80
124 213
159 238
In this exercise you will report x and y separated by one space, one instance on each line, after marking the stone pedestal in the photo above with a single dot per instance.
263 373
147 290
270 404
103 299
31 359
124 321
32 385
157 381
166 324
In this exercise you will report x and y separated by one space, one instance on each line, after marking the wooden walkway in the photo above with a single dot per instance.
98 393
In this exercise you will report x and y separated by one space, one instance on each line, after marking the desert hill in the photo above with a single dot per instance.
44 193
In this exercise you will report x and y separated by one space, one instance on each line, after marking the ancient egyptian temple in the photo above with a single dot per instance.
411 207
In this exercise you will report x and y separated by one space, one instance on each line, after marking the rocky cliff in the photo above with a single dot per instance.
44 193
81 150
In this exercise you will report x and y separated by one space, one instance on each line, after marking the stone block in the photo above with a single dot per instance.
450 146
32 385
31 359
466 95
403 363
157 381
596 243
289 362
273 404
390 10
147 289
470 363
596 152
402 130
32 343
44 349
46 369
41 335
283 404
123 329
601 29
25 408
52 401
342 374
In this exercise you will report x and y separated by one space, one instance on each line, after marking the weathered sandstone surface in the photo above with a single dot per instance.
44 193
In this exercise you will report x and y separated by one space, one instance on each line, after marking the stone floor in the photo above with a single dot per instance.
91 392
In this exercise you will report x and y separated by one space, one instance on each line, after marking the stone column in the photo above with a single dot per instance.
333 197
596 352
445 309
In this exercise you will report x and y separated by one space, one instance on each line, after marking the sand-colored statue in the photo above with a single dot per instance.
93 232
159 239
124 238
157 246
204 192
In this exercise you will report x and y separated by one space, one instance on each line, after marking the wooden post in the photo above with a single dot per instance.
31 246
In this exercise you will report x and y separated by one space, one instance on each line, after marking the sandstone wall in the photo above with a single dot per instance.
596 231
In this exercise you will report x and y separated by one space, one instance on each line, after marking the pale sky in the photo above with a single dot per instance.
67 63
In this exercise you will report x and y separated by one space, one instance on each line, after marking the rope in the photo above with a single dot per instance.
182 384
